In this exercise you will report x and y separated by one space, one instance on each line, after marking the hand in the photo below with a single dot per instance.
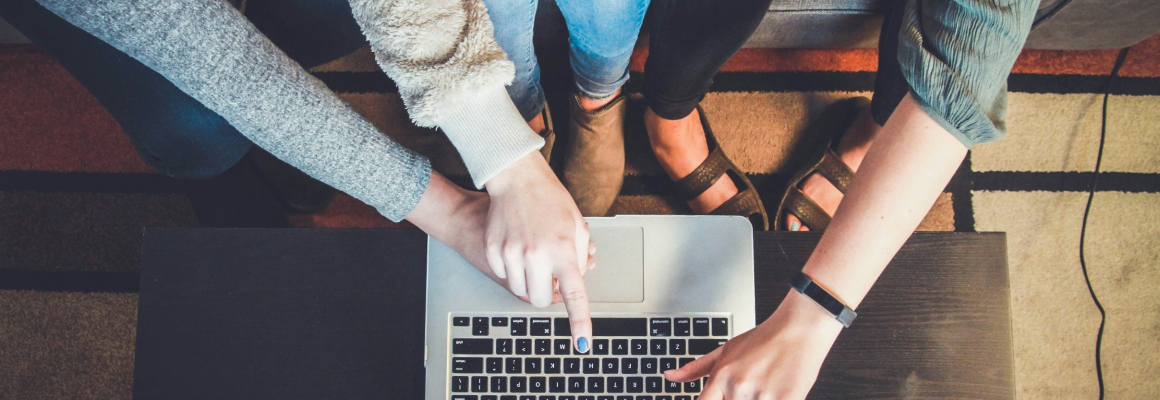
458 219
779 359
537 238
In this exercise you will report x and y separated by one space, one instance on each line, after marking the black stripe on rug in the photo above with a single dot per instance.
90 182
73 281
803 81
1064 181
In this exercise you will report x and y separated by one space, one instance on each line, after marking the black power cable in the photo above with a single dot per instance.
1087 210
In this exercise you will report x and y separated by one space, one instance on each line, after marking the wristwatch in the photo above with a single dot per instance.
804 285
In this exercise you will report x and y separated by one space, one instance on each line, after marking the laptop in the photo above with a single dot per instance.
665 290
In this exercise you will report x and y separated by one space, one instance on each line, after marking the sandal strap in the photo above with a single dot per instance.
706 174
811 214
744 203
836 171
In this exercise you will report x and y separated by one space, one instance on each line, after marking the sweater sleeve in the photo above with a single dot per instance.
209 51
451 74
956 56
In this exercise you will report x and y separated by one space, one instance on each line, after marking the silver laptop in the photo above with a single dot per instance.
665 290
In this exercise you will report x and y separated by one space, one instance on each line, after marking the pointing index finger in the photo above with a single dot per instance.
576 301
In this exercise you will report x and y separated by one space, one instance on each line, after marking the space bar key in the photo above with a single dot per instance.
619 327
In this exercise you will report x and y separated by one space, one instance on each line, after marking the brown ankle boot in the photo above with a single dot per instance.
548 134
594 168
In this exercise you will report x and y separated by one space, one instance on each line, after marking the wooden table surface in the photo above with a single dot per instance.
245 313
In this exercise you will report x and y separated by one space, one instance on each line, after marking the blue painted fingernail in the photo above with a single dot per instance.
794 226
582 345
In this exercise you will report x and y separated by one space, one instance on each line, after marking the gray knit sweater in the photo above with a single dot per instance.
211 52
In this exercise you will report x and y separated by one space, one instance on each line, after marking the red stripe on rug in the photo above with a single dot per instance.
50 122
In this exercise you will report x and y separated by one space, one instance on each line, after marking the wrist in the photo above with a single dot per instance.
437 205
801 311
523 170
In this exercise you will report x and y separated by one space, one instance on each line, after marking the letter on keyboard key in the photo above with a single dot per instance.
551 365
668 364
634 384
615 384
661 327
658 347
609 366
620 347
654 384
471 346
699 347
571 365
467 365
519 326
591 365
639 347
459 384
595 384
682 327
677 347
556 384
672 387
576 384
619 327
700 327
519 384
693 386
600 347
541 326
532 365
648 365
537 384
562 347
628 365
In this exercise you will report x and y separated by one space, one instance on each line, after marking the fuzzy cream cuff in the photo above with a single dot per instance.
489 133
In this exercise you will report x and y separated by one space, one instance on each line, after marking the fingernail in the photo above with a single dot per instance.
582 345
794 226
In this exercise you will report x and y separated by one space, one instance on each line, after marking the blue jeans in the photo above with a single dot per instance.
601 33
170 130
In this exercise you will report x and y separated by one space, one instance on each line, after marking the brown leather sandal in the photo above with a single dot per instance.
745 203
825 161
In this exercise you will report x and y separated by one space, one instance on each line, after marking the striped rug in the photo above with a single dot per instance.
74 196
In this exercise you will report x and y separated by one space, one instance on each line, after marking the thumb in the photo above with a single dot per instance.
696 369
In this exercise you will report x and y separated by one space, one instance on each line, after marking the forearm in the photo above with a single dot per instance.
899 180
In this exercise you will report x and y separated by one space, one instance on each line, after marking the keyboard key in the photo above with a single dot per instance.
644 398
479 326
677 347
499 321
541 327
634 384
544 346
720 327
523 346
664 397
604 398
551 365
494 365
600 347
591 365
532 365
519 384
471 346
571 365
700 327
528 397
658 347
585 397
498 384
685 361
628 366
489 397
576 384
623 397
567 397
683 397
503 346
467 365
693 386
562 347
563 327
660 327
639 347
556 384
654 384
699 347
538 384
479 384
615 384
519 326
682 327
464 397
672 387
461 321
596 384
620 347
668 364
619 327
513 366
459 384
609 366
509 397
648 365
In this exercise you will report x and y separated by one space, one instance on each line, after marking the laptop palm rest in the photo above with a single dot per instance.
619 273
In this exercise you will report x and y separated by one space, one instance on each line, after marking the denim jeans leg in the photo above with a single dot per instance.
602 34
514 21
170 130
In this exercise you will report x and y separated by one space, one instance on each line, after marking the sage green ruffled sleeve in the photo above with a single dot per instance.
956 56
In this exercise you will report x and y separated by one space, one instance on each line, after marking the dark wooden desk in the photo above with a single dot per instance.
339 314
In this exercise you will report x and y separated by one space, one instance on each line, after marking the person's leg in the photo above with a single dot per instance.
513 21
688 42
601 36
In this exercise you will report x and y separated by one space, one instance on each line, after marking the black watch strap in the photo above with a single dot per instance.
806 286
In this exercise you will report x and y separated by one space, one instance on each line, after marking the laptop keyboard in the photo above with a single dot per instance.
532 357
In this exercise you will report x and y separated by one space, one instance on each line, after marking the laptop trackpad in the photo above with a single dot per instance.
619 273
